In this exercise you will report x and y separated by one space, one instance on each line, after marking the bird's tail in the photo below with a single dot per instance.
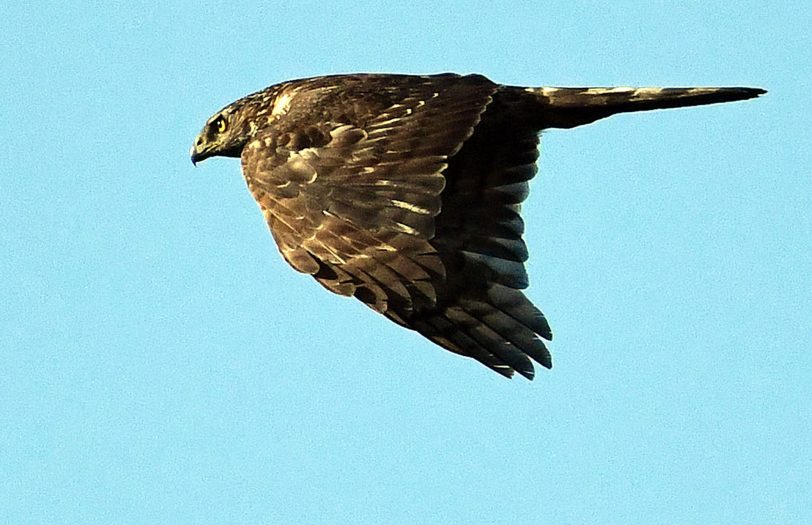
570 107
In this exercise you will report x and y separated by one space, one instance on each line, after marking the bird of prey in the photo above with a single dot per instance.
405 192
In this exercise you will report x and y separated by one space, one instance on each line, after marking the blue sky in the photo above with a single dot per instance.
160 363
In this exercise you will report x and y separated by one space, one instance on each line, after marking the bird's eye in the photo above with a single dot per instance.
220 124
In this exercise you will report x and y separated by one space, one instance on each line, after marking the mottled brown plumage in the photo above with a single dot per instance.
405 192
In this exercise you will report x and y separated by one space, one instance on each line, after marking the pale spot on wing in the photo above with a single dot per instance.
299 165
410 207
406 229
383 124
309 154
281 105
605 91
341 129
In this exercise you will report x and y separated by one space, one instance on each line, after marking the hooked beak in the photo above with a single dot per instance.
200 150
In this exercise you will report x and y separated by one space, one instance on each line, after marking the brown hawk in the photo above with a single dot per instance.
405 192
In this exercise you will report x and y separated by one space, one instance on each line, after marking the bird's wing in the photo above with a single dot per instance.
351 193
484 314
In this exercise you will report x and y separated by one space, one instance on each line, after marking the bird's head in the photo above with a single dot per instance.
225 134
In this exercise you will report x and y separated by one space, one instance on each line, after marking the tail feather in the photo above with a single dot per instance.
570 107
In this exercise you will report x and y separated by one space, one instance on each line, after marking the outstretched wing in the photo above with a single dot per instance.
349 178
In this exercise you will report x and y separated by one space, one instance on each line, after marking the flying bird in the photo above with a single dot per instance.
405 192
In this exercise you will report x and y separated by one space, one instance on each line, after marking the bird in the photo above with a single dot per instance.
405 192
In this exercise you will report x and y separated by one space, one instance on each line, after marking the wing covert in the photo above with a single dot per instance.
351 196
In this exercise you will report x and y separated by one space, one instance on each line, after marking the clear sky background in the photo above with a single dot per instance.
160 362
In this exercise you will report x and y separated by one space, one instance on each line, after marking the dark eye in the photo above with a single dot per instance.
219 125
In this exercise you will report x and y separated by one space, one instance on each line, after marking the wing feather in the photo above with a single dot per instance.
384 192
